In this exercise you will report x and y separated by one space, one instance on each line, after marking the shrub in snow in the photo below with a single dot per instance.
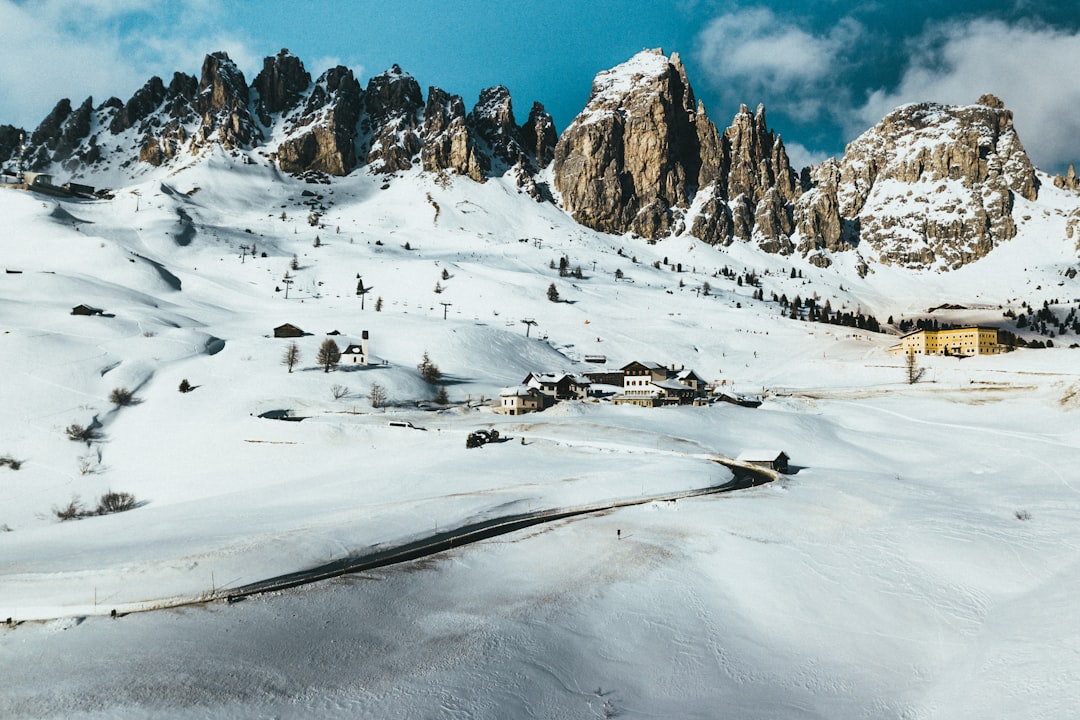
185 386
10 462
121 397
114 502
72 511
79 433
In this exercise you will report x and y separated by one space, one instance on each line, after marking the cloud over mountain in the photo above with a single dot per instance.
954 62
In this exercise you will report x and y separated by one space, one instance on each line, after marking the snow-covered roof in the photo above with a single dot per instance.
517 391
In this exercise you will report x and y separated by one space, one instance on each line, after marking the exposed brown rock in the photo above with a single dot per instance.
935 184
817 211
322 136
392 103
633 149
759 160
280 85
158 148
145 101
447 142
222 103
539 137
1068 180
492 118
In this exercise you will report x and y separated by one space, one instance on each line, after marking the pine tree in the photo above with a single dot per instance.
552 293
378 304
429 370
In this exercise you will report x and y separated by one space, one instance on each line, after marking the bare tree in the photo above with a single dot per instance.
291 356
329 355
339 391
377 395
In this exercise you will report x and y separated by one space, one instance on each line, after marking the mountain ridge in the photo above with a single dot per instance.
929 187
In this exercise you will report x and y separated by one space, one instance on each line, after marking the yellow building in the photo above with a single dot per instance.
962 342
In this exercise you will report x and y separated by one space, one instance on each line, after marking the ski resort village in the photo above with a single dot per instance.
332 395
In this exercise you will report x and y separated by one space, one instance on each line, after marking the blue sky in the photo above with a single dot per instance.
825 69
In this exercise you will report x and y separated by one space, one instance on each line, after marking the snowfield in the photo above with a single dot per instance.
920 562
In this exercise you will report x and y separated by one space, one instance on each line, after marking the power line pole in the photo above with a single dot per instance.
361 291
445 306
529 322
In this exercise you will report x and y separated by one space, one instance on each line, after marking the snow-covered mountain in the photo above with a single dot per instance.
919 562
930 186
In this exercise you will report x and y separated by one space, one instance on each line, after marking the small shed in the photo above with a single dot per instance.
288 330
85 310
772 459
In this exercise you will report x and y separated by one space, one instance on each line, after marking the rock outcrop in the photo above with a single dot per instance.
280 85
146 100
929 186
222 103
1068 181
633 155
10 137
322 136
935 184
392 105
448 146
539 137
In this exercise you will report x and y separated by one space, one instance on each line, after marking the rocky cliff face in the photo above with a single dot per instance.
322 135
280 85
632 157
929 186
934 184
223 102
448 146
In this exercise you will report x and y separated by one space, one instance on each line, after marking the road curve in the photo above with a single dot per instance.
745 476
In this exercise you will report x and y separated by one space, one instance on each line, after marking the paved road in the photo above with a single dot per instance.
474 532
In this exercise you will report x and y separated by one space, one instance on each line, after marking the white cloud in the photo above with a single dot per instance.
1032 68
800 156
756 53
74 48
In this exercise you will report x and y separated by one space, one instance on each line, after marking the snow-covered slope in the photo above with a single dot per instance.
918 564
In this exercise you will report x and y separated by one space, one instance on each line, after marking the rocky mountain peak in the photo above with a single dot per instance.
392 105
322 135
448 144
758 159
539 135
280 85
633 154
222 101
934 184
